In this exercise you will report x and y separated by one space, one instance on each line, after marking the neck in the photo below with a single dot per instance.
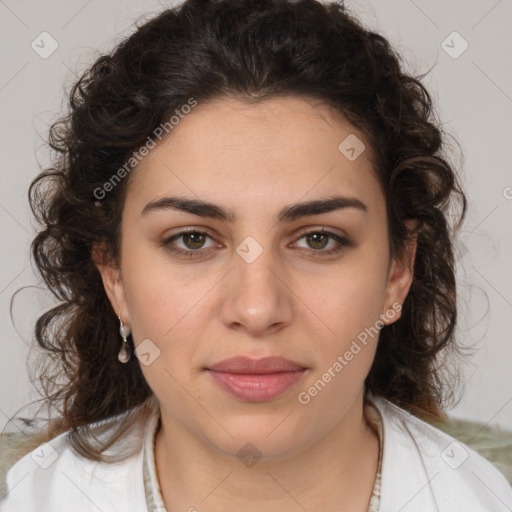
337 473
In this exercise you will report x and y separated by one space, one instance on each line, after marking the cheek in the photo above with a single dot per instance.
164 308
350 304
345 352
159 294
168 306
352 295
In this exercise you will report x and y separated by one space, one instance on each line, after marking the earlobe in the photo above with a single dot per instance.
112 282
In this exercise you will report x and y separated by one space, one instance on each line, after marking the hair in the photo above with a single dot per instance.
250 50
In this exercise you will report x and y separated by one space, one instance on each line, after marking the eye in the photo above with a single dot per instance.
193 240
318 239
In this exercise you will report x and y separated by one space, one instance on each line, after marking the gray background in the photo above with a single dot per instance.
473 96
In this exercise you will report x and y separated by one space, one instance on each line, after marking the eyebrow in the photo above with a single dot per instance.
287 214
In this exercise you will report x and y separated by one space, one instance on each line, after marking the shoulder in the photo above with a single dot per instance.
425 469
53 477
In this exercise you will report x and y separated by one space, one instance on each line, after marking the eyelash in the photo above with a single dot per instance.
317 253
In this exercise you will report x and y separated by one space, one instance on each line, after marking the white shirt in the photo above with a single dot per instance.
423 470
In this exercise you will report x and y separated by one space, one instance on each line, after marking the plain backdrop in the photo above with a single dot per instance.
463 43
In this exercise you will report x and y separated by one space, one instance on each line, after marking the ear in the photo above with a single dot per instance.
400 277
112 282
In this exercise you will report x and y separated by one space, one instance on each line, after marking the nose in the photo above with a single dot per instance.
256 298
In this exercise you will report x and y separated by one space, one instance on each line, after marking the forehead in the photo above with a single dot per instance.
275 151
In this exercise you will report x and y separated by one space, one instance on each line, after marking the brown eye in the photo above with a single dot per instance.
193 240
192 243
318 240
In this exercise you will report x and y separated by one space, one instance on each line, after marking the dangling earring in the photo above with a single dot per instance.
124 353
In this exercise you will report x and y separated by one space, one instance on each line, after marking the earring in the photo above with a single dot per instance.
124 353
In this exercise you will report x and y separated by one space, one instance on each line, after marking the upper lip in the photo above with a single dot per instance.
243 364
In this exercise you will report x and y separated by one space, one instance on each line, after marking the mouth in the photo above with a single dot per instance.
256 380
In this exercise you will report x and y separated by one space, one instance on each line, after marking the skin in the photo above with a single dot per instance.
287 302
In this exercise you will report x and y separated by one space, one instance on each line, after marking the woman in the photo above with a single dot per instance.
247 227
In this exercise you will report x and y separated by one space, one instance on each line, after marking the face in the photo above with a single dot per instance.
304 284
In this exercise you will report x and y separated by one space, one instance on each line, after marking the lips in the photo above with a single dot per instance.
256 380
262 366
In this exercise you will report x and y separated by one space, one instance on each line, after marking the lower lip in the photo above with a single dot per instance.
256 388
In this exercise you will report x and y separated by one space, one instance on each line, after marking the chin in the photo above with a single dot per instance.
253 438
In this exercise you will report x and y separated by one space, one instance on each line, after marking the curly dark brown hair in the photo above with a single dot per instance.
251 50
